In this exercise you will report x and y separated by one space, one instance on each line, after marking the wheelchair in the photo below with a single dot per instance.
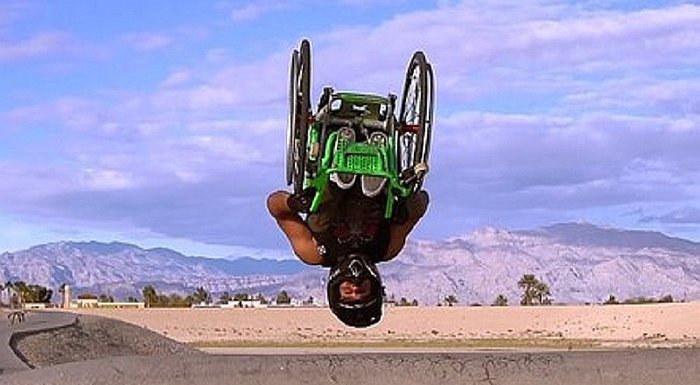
352 135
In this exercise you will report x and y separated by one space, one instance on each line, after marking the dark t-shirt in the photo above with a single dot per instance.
349 222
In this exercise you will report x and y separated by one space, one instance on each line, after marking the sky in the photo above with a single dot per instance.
163 123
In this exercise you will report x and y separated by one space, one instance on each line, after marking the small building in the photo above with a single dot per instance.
294 302
11 297
248 303
205 305
91 303
121 305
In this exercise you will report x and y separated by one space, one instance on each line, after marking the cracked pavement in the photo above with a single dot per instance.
619 367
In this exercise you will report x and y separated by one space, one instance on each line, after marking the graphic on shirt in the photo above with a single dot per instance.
359 225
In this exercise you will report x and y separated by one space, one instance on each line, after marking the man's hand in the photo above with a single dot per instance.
412 207
301 203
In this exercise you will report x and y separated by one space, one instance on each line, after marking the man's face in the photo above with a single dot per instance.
352 293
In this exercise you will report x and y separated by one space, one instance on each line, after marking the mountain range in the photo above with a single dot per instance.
580 262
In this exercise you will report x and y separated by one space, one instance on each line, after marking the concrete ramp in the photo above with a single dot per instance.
33 321
659 366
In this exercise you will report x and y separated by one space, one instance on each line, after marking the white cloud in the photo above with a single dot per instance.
198 97
252 128
645 94
531 41
546 109
70 112
211 96
255 10
147 41
11 10
151 127
96 179
40 45
26 184
683 215
223 148
177 78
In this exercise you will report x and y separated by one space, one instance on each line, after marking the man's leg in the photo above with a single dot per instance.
297 232
416 206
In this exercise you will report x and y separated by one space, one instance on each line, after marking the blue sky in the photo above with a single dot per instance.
163 123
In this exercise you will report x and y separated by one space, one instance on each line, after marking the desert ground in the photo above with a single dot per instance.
604 326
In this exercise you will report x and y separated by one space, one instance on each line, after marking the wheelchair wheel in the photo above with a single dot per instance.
299 112
415 122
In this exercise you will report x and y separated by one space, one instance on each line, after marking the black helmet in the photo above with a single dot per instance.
356 268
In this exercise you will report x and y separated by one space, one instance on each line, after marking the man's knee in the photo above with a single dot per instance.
277 203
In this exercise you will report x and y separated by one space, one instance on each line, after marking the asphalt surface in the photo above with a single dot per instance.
661 366
34 321
619 367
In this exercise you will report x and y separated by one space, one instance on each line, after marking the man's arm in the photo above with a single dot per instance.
416 206
294 228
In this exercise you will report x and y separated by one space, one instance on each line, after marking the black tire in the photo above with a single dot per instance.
299 111
428 125
415 119
292 135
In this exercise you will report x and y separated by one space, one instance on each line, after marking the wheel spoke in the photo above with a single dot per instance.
299 109
415 120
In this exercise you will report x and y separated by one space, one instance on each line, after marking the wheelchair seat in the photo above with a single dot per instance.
357 111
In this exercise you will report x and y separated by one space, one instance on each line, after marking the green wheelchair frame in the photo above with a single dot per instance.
315 150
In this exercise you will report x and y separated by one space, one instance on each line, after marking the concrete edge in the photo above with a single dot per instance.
15 336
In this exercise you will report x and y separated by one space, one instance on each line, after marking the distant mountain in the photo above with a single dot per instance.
122 269
253 266
581 263
586 234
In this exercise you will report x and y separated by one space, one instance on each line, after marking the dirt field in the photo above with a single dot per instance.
656 325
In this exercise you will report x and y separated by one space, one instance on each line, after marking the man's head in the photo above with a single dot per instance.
355 291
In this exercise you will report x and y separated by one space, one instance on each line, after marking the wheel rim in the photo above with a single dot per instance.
299 108
292 124
430 103
415 117
303 110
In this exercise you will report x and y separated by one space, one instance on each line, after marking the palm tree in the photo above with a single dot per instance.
150 296
535 292
224 298
451 300
543 293
611 300
528 283
262 299
501 300
201 295
283 298
238 297
668 298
